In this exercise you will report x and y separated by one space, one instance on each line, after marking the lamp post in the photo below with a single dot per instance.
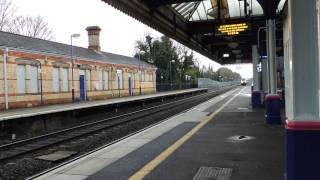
198 69
72 68
170 73
187 77
140 90
161 78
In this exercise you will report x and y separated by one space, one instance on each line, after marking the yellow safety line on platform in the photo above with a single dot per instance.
165 154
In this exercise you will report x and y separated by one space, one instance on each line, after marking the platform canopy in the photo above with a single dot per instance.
222 30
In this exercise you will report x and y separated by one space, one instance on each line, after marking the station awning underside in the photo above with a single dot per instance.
197 23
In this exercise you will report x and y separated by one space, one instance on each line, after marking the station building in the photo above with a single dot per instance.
40 72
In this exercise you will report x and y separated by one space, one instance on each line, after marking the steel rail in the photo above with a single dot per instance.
89 128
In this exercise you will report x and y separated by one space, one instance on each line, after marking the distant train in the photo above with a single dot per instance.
243 82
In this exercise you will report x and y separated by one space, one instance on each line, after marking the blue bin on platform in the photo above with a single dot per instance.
273 107
256 99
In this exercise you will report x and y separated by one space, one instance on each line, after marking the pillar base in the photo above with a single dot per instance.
303 147
256 99
273 109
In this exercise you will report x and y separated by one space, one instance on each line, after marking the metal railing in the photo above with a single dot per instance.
175 86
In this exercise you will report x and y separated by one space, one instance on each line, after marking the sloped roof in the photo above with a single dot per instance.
43 46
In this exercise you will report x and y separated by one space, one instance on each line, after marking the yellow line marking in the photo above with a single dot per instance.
165 154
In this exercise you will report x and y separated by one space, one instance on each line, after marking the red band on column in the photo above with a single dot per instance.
300 126
272 97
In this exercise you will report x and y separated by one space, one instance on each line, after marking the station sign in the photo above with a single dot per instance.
259 68
233 29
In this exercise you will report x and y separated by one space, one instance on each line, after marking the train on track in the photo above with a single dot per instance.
243 82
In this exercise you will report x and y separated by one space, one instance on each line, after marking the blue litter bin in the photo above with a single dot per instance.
256 99
273 106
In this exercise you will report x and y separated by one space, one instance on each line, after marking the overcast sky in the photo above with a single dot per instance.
119 31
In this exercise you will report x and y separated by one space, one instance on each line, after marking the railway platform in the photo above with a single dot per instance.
222 137
58 108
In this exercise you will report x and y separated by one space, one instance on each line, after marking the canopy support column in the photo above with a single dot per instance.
273 103
271 35
301 52
256 95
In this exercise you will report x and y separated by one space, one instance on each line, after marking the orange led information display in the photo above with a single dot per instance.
233 29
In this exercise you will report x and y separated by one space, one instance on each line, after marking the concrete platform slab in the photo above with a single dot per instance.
69 177
92 166
135 143
150 135
116 152
57 156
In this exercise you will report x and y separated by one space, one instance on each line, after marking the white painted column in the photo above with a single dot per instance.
265 75
271 39
5 77
301 53
255 62
301 56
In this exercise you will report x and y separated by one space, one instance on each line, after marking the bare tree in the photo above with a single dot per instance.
7 11
31 26
24 25
225 73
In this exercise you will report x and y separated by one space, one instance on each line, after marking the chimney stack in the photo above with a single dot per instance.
94 37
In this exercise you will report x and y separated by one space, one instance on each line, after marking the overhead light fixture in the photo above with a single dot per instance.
226 55
233 29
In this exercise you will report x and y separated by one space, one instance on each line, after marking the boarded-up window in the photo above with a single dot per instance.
119 79
21 79
55 80
34 79
65 78
148 77
143 78
105 80
133 78
88 79
100 79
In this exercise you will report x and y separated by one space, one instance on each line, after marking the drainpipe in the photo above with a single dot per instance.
41 85
5 77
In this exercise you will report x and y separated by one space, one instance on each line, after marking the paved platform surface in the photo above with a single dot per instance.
28 112
200 137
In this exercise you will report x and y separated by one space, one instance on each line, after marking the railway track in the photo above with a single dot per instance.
12 150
